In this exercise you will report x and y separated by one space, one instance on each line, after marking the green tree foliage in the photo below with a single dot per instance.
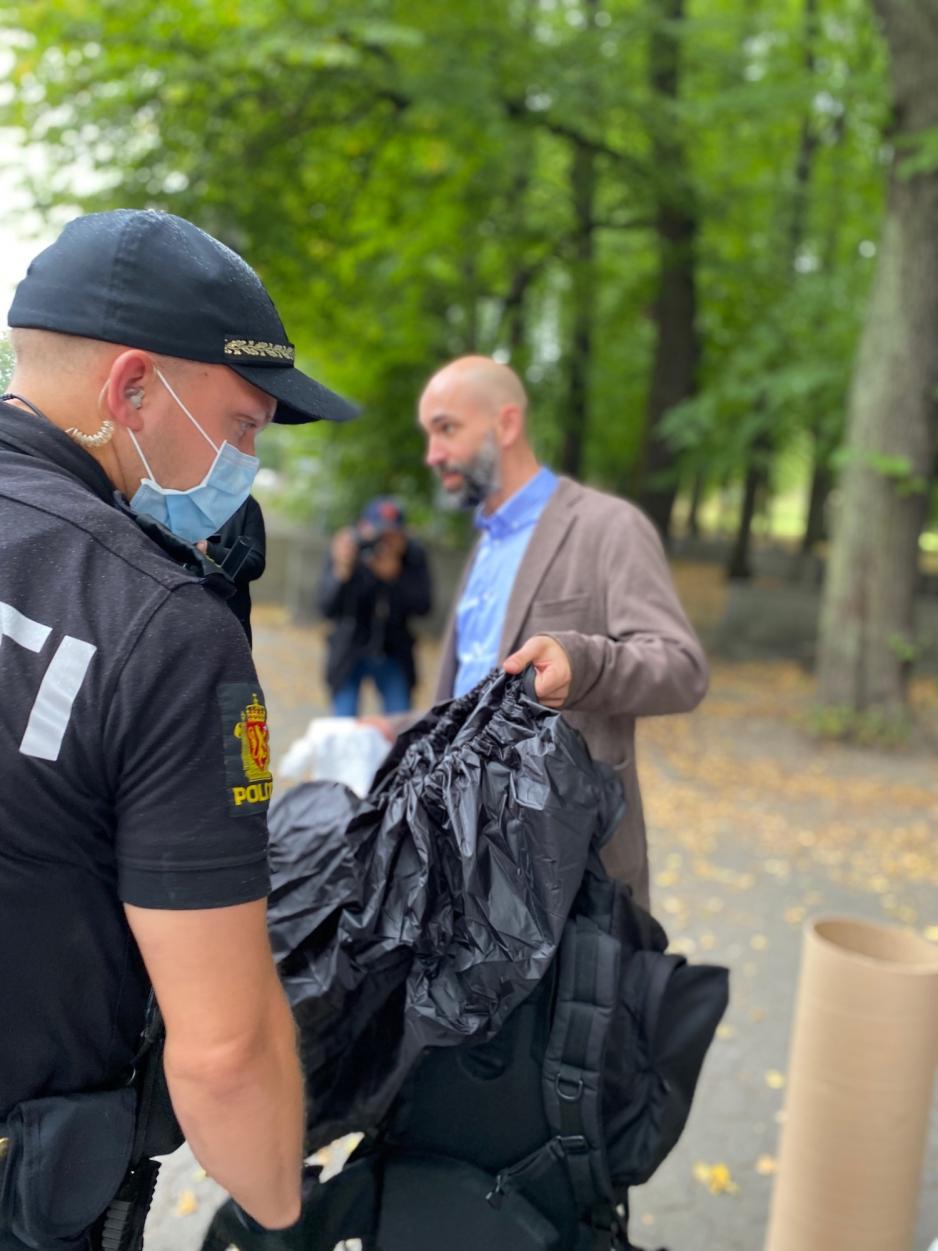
419 180
6 364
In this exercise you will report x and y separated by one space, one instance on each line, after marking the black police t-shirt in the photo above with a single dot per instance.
134 766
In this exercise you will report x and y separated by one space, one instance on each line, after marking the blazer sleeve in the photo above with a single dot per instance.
650 661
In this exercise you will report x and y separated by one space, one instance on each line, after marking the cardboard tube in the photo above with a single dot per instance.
860 1073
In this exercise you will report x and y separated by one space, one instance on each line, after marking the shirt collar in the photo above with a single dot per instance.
522 510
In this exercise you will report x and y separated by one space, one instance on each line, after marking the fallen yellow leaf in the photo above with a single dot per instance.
766 1165
774 1079
931 933
726 1031
187 1204
717 1178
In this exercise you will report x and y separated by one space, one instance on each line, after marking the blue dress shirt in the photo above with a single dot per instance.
480 617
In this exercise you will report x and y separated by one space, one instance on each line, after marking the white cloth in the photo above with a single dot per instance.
336 749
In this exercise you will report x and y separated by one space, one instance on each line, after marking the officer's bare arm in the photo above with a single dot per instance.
231 1058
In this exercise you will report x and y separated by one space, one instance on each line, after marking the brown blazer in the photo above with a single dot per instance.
594 577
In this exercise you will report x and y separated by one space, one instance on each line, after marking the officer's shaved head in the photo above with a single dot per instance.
485 382
51 352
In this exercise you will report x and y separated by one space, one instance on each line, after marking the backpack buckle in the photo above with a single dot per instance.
574 1144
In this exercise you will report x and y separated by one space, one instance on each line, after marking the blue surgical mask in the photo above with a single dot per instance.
203 509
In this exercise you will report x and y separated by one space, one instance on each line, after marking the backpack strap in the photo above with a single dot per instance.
587 990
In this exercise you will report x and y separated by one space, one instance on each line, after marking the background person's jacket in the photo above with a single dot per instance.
371 616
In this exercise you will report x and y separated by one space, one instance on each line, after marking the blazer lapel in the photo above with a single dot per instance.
549 533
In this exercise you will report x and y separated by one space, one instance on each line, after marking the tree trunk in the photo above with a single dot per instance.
739 568
867 638
514 310
576 418
758 462
822 473
677 349
822 483
583 193
696 500
515 320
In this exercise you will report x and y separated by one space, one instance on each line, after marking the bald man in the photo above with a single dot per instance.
563 577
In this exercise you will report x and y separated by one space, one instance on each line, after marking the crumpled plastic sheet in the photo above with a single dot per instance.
422 914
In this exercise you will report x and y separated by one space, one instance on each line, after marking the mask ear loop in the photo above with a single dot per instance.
146 463
211 442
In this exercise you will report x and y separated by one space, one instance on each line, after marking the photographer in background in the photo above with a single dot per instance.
376 578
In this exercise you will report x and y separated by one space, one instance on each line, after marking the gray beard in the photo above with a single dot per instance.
480 478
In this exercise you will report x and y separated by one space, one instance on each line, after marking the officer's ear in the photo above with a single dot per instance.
129 382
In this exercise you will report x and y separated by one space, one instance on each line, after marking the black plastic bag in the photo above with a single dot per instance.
423 914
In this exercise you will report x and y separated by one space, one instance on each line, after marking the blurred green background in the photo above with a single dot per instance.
665 214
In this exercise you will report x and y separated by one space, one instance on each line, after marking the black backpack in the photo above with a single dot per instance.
530 1142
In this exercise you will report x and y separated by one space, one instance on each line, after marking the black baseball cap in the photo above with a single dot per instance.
151 280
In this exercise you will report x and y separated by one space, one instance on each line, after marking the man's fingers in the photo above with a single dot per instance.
520 659
536 651
514 664
548 657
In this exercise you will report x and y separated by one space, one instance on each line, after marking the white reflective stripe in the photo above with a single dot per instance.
48 720
23 630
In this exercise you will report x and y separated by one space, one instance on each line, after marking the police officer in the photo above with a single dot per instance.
134 759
